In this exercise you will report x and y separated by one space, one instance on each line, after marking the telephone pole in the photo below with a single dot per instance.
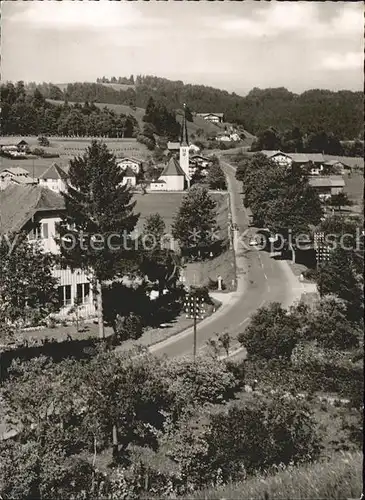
194 309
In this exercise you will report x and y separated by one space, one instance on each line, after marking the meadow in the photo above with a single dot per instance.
167 205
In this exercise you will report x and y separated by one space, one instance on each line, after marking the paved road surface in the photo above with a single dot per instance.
261 279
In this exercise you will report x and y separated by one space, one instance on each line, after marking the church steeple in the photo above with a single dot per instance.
184 139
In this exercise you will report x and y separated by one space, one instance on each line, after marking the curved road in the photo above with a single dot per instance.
260 279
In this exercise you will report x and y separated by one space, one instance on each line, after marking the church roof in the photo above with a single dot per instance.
54 172
173 168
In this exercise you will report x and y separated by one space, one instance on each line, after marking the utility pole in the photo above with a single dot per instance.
194 309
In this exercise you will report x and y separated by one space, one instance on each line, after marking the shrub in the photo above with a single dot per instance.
202 381
262 434
271 333
129 327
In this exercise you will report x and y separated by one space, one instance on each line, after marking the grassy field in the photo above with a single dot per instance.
167 205
338 478
198 273
69 147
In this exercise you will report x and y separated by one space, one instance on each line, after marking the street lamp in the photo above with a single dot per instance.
194 308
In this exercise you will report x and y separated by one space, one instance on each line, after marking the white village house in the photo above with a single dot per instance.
212 117
129 178
131 163
54 178
22 206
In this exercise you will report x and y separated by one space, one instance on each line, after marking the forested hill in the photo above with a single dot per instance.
338 112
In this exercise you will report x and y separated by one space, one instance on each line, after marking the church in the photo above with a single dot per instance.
175 176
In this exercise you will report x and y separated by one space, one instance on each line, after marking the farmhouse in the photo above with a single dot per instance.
129 178
54 178
336 167
212 117
280 158
15 175
37 210
131 163
173 146
224 138
193 148
326 186
22 145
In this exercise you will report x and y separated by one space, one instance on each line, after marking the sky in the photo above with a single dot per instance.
229 45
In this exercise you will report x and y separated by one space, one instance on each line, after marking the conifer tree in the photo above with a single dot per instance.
95 232
195 223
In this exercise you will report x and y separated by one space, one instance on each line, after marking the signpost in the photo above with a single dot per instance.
322 250
194 309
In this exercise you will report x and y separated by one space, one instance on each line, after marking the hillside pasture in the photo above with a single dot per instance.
198 123
115 86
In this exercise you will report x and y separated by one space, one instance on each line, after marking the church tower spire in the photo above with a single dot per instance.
184 139
184 149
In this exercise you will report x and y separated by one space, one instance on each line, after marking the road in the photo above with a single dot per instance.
260 279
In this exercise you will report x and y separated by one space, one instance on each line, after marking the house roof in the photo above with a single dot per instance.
22 143
331 163
327 181
19 203
129 172
195 157
173 168
272 153
16 171
299 157
316 157
221 115
130 159
54 172
173 145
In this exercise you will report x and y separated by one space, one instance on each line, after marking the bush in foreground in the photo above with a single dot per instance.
338 478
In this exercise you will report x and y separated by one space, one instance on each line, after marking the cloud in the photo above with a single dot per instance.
347 61
78 15
300 20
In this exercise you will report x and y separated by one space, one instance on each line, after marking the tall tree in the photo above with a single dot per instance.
99 218
342 277
216 178
195 223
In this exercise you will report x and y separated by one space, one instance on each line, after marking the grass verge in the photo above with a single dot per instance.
337 478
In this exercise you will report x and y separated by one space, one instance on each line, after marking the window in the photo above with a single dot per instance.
40 232
64 295
83 293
